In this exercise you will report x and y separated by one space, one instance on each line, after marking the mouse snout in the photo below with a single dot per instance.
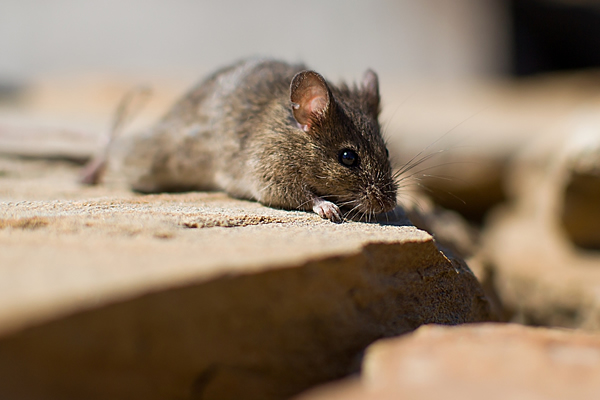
376 200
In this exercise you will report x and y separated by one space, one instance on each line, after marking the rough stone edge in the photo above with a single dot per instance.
432 257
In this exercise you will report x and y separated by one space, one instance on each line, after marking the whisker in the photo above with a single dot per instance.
432 167
414 201
413 162
455 196
353 208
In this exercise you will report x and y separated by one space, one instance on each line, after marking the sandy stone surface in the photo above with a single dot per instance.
480 361
109 294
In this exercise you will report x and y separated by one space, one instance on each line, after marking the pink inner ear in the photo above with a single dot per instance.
313 101
317 104
310 97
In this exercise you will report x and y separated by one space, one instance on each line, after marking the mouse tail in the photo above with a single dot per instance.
129 106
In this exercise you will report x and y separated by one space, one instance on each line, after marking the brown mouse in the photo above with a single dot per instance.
275 133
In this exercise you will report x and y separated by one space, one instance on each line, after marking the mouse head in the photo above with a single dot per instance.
348 162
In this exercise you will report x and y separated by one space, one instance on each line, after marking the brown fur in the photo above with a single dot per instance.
236 132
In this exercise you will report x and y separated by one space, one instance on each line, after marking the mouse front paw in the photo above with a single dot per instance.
327 210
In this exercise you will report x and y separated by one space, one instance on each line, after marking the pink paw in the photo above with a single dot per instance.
327 210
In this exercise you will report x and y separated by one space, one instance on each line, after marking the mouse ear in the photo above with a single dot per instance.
310 98
370 87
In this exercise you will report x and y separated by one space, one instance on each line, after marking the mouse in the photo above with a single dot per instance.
272 132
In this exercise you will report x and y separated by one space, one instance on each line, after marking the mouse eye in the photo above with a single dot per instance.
387 153
348 158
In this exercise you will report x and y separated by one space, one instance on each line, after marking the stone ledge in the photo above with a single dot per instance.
95 251
107 294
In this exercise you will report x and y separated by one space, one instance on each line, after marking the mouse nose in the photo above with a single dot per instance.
379 201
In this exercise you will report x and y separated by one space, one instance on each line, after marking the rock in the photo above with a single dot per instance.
580 212
448 228
481 361
69 117
456 236
541 244
108 294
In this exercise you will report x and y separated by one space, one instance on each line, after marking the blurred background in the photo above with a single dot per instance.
429 38
165 38
93 44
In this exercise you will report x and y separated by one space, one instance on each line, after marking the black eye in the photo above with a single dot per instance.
348 157
387 153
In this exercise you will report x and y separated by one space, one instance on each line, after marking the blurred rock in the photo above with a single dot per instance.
29 140
448 228
457 140
109 295
580 213
488 361
70 117
541 245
